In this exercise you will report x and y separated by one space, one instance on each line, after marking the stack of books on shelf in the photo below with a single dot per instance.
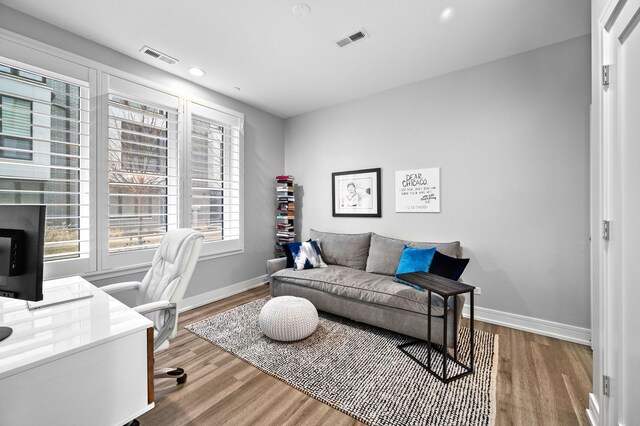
285 213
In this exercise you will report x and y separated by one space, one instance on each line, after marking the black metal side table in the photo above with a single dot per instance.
445 288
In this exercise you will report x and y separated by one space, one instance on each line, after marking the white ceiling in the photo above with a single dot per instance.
289 65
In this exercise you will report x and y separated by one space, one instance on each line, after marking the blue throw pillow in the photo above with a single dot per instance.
414 260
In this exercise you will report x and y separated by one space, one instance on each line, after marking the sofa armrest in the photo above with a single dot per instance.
274 265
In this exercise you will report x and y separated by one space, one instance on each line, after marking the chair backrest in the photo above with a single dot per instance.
170 271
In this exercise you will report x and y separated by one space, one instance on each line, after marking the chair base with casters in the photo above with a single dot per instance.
161 343
163 379
160 339
171 373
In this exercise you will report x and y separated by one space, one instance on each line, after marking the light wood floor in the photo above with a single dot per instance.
541 381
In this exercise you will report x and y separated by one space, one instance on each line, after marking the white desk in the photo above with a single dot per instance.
86 362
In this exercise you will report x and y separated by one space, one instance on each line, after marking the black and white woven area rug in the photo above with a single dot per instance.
357 369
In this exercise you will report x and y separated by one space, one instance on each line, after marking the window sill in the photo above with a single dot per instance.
144 267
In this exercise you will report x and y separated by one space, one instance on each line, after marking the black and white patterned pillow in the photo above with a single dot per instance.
306 255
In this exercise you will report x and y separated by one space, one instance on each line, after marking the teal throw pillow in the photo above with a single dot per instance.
414 260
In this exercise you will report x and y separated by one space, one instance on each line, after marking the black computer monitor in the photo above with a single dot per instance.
21 254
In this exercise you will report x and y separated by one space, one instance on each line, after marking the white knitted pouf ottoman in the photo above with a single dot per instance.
288 318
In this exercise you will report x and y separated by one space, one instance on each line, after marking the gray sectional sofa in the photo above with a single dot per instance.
357 284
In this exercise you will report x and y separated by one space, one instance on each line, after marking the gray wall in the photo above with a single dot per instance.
512 140
264 155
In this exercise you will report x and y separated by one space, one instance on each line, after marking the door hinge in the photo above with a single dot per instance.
605 75
606 230
606 385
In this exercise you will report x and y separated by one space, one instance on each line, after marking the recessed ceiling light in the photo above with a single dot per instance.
195 71
447 14
301 9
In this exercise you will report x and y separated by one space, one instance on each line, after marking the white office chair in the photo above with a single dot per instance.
163 287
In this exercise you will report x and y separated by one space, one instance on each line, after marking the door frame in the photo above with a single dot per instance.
618 17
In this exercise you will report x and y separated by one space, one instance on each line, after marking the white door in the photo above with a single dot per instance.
620 183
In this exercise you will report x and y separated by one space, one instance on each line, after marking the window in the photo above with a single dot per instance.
142 173
207 178
213 174
157 162
117 162
15 121
44 155
22 73
170 163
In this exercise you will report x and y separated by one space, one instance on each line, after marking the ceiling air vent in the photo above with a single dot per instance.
357 36
158 55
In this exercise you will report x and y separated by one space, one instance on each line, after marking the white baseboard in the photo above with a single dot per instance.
220 293
593 412
532 325
519 322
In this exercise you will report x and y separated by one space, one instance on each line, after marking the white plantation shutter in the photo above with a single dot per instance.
44 155
117 160
214 174
142 167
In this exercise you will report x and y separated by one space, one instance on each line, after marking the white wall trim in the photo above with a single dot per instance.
143 267
558 330
593 412
220 293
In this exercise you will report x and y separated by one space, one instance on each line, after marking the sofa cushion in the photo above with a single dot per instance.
343 249
384 252
360 285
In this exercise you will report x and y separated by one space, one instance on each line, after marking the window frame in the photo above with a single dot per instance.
118 86
140 89
223 116
61 69
50 61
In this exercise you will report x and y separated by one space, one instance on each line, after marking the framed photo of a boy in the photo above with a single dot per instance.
356 193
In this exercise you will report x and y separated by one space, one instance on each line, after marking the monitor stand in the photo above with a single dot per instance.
5 332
